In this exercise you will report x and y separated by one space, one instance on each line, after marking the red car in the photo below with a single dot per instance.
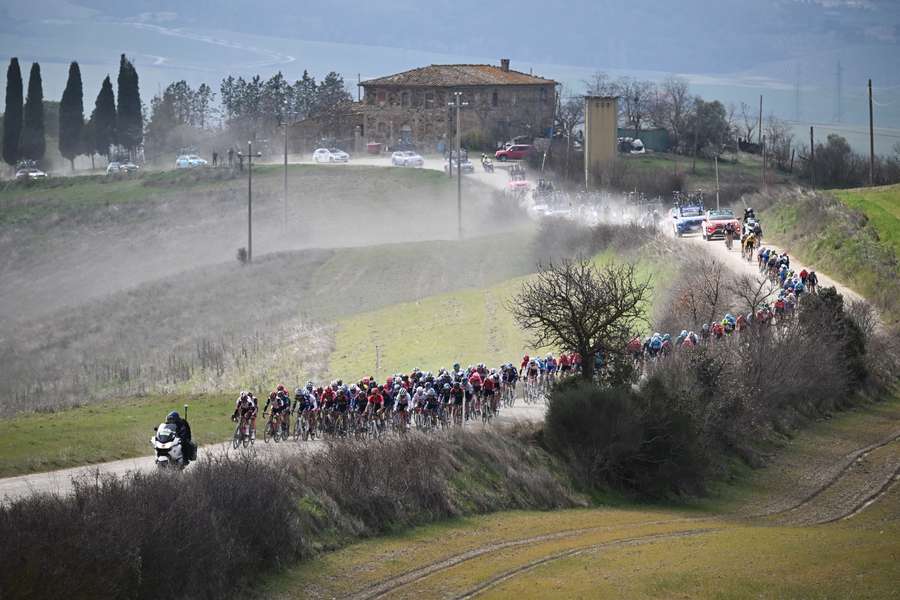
514 152
715 222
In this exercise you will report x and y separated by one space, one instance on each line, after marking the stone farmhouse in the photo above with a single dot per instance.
412 107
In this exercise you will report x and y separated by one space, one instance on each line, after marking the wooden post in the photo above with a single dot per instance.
812 157
871 138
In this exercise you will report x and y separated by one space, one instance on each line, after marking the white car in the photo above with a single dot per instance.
330 155
189 161
406 158
114 168
30 174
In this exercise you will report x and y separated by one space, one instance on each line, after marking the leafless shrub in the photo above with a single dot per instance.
208 532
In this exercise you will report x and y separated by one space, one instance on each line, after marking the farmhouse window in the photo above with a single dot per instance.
495 100
404 99
379 96
429 100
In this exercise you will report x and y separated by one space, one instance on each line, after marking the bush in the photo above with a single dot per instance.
153 535
641 441
209 532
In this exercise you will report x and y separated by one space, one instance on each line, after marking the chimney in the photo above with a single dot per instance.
504 65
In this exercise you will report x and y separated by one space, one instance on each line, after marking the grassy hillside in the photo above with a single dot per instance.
468 327
881 205
69 241
230 326
852 235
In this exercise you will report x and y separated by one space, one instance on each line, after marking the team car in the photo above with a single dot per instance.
715 222
687 218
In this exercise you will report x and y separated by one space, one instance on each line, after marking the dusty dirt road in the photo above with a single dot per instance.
61 481
734 262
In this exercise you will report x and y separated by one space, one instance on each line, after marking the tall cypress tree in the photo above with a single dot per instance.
12 118
33 144
131 122
71 116
104 119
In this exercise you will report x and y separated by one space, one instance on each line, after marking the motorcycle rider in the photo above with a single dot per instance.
183 431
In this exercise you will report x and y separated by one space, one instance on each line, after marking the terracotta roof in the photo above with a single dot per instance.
457 76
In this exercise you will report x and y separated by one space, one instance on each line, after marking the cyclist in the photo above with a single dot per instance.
246 410
475 382
280 406
432 404
489 386
403 406
812 280
457 394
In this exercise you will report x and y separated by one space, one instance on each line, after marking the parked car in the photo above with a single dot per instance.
407 158
715 222
113 168
637 147
189 161
330 155
130 167
515 152
30 174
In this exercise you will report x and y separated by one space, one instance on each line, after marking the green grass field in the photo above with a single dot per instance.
468 327
747 169
882 207
104 432
642 551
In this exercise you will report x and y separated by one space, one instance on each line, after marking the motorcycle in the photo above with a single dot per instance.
488 165
169 454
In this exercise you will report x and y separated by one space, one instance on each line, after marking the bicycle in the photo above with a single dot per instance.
302 426
242 433
271 431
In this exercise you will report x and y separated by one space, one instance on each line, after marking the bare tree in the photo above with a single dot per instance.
568 117
576 306
636 101
600 84
673 107
779 140
751 291
750 121
701 293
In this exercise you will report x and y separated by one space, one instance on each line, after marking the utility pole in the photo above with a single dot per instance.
250 156
717 182
759 131
871 138
764 157
812 157
458 104
284 200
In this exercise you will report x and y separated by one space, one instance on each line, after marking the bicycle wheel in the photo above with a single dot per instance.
268 431
246 438
237 437
303 426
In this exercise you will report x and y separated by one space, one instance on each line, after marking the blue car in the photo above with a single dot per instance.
687 218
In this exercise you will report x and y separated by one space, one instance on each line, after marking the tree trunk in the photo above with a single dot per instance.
72 164
587 366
